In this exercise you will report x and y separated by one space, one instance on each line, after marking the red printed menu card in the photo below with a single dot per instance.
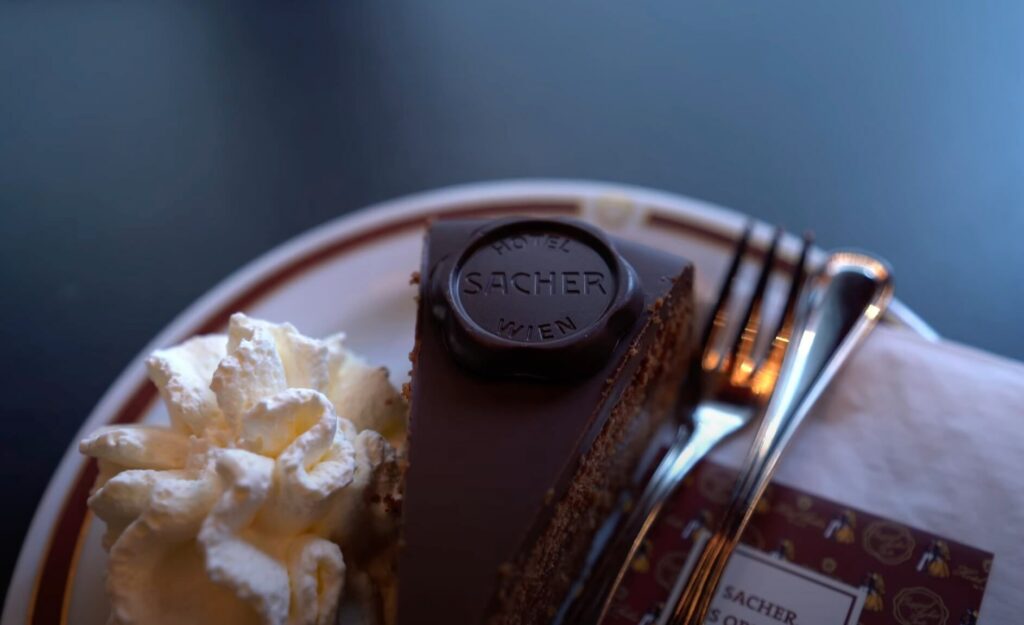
806 560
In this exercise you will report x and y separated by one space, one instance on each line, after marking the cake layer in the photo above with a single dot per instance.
493 450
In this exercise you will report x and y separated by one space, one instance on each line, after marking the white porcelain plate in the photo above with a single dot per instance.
350 274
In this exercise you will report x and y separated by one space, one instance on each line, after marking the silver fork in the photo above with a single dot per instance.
844 303
735 382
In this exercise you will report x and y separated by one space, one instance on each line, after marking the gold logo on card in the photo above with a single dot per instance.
888 543
973 576
800 518
667 568
919 606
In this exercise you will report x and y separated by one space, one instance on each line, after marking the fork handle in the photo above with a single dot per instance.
688 448
692 601
850 295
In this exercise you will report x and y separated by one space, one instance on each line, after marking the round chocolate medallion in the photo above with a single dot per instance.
534 297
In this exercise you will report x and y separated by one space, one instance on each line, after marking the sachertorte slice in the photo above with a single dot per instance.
546 355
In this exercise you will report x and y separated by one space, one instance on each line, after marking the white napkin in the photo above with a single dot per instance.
927 434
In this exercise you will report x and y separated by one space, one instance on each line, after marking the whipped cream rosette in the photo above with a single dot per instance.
275 474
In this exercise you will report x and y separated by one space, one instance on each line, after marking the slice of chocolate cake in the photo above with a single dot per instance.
546 356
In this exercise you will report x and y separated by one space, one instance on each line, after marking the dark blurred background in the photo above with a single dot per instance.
148 151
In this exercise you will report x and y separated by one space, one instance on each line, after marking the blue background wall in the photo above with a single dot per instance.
146 152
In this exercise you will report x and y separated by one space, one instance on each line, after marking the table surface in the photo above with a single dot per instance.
146 152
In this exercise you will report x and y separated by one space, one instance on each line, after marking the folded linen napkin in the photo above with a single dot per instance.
930 434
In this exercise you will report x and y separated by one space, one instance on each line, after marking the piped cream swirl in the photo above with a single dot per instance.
240 509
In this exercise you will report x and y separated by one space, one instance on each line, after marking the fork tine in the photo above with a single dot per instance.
746 334
799 271
766 369
716 321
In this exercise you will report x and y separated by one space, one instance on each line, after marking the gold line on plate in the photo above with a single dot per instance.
73 567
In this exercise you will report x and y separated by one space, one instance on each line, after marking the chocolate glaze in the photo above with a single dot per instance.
492 452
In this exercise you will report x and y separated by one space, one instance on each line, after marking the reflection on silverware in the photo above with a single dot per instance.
845 301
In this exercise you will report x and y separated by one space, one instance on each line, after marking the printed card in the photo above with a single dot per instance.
806 560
